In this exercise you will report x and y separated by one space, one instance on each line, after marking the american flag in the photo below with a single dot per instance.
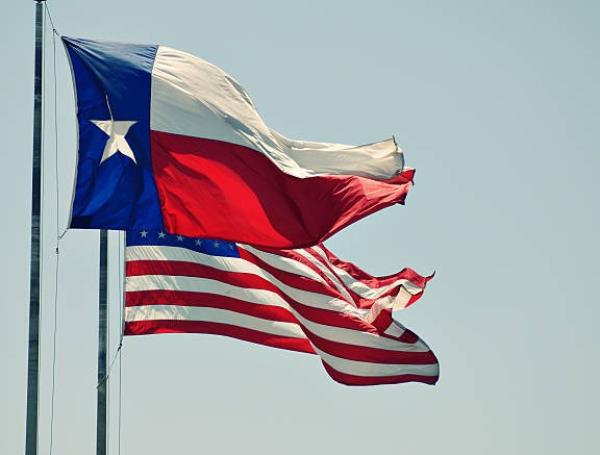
305 300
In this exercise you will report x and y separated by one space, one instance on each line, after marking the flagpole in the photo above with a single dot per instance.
33 359
101 405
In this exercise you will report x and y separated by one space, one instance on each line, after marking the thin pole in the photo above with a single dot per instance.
101 435
33 358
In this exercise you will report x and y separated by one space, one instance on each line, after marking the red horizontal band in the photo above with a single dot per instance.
349 379
253 336
207 300
368 354
209 188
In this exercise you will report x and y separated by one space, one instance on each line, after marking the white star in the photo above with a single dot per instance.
144 234
199 242
179 238
161 235
116 131
216 244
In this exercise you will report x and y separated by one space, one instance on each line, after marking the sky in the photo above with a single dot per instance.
497 106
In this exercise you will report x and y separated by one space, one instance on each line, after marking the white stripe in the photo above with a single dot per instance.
394 329
391 302
205 286
264 297
359 338
370 369
283 263
218 315
194 98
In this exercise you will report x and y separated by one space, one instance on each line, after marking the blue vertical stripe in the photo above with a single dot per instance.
117 193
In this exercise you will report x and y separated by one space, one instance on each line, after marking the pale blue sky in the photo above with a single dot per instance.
497 106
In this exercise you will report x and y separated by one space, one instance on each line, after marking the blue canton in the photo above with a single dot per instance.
200 245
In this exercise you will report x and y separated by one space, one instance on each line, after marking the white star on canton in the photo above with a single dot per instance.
231 246
116 131
161 235
199 242
179 238
144 234
216 244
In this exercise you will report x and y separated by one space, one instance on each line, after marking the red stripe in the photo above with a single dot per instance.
199 299
162 326
206 300
414 298
383 321
369 354
349 379
408 336
196 179
318 316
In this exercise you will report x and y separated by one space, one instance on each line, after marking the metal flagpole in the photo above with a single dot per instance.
33 359
101 406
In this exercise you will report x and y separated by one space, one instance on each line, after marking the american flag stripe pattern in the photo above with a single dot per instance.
305 300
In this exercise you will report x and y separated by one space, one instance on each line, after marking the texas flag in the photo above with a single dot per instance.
168 141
